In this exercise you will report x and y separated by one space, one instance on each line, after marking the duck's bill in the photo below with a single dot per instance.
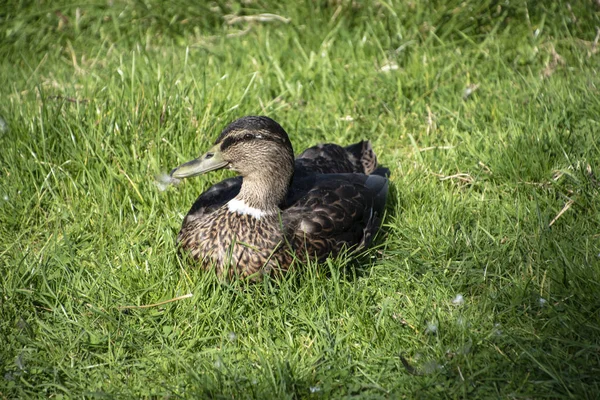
210 161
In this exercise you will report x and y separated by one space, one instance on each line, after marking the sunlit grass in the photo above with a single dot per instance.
486 113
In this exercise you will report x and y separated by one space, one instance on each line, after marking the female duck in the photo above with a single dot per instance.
330 198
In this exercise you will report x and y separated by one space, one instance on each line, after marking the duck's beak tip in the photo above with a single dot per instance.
210 161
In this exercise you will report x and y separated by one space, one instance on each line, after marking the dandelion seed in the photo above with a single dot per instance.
3 126
161 186
542 301
232 336
432 327
315 389
458 300
218 363
347 118
391 66
469 90
162 181
496 331
5 197
20 362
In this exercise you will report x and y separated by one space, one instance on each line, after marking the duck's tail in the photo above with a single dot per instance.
363 152
378 186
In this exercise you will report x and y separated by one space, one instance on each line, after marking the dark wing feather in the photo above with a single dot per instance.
326 159
363 154
333 159
326 213
214 198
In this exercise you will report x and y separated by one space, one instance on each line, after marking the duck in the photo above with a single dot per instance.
281 210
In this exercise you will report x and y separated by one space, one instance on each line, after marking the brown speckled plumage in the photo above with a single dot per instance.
209 239
327 199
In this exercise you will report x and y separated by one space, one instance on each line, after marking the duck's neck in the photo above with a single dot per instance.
262 193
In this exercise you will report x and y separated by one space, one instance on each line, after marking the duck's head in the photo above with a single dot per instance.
258 148
248 145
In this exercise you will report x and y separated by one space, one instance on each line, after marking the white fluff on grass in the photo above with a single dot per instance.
432 327
496 331
163 181
3 126
459 300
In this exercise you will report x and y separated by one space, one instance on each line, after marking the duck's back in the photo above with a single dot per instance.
329 212
333 159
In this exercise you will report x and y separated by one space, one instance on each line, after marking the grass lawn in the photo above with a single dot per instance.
485 281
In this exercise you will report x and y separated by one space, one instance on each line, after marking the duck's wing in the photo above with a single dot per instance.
330 158
213 198
326 213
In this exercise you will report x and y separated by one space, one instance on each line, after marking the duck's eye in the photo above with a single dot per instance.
248 136
209 155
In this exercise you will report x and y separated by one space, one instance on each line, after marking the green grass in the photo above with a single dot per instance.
100 96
